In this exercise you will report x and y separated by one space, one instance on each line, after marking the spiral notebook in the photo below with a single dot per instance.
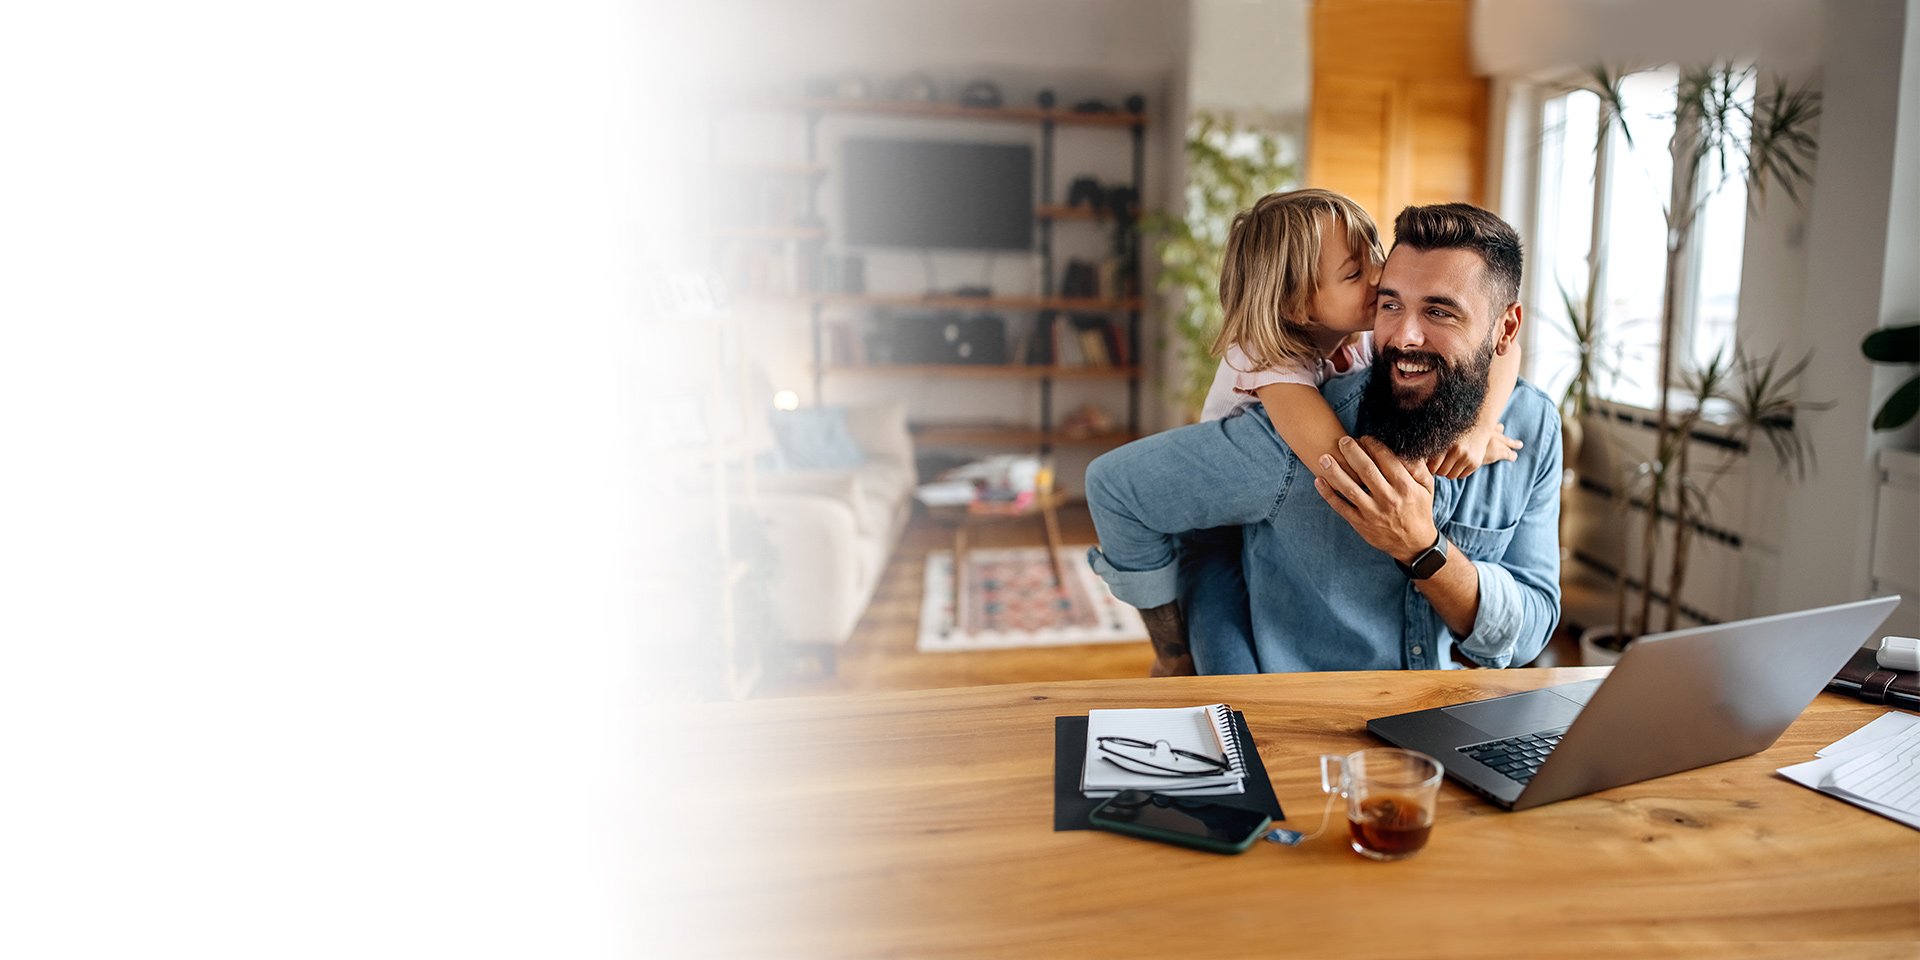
1070 806
1205 731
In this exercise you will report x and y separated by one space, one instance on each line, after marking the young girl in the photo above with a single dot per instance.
1297 285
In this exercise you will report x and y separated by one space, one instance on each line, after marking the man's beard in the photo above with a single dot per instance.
1419 432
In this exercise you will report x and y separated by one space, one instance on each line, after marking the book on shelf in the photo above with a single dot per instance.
1094 347
1067 349
1175 737
1039 350
1101 343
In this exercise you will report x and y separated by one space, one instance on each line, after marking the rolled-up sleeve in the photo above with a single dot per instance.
1142 495
1520 593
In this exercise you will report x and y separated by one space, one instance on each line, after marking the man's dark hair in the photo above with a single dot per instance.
1449 226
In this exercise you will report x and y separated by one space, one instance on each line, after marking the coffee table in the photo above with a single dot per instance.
965 518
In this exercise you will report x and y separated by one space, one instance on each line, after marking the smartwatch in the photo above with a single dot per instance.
1427 562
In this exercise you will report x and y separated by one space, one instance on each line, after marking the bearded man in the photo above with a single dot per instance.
1381 565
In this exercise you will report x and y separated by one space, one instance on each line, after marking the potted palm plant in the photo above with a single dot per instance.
1718 136
1230 165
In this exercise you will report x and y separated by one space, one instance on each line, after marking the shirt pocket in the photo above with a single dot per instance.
1481 543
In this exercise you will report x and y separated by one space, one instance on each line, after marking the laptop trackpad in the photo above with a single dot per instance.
1529 712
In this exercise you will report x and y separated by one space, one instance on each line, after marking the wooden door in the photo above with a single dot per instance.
1397 115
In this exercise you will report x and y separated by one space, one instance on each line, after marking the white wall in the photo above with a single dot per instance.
1524 39
1253 58
1853 285
1900 296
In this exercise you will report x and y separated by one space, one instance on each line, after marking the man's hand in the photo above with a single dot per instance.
1476 448
1388 504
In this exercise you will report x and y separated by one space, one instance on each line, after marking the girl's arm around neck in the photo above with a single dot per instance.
1486 441
1304 420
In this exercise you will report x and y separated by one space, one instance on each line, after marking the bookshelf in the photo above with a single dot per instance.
1117 316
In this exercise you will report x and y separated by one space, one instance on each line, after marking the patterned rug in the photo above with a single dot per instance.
1009 600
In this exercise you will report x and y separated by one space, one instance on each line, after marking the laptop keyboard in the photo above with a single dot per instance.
1518 757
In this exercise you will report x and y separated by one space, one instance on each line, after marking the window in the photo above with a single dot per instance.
1564 234
1722 232
1600 219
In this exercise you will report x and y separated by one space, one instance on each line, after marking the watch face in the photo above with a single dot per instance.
1428 563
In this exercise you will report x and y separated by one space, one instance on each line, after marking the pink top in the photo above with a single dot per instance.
1234 383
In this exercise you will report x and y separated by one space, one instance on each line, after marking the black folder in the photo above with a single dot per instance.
1070 806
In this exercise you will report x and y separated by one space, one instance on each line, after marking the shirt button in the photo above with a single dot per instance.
1417 651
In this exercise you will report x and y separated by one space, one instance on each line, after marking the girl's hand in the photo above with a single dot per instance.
1476 448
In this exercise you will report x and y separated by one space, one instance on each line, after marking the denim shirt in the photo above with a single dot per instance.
1308 593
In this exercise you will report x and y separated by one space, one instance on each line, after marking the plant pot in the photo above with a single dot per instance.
1599 647
1573 437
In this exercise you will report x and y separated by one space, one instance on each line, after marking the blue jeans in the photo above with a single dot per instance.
1169 508
1213 593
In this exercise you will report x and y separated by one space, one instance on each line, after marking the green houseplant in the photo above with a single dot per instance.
1899 344
1229 166
1718 137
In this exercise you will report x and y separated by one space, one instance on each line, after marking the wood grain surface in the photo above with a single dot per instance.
918 824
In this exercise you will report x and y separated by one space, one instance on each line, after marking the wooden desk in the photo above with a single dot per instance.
919 825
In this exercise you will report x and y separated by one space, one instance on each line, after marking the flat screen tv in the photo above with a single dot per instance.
929 193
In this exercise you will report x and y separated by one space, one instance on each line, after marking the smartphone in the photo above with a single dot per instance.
1188 821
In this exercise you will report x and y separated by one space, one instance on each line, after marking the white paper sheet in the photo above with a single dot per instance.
1887 773
1886 731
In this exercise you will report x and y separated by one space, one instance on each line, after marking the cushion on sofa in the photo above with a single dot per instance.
815 438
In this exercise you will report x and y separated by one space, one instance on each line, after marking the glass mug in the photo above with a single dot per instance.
1390 795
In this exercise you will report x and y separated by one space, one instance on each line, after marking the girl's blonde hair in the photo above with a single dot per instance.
1270 273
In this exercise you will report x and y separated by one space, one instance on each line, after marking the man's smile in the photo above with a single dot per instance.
1414 374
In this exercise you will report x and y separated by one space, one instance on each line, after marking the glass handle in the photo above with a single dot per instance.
1333 770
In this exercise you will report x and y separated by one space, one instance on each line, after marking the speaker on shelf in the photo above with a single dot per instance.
1045 99
949 337
1086 192
1136 104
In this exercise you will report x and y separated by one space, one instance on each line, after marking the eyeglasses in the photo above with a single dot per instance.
1157 758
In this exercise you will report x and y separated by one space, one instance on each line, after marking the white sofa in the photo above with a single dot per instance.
833 530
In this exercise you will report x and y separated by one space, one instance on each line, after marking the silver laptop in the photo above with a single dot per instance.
1674 702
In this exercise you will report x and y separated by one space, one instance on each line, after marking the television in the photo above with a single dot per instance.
938 194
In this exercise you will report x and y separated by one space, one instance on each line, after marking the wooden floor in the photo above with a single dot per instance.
881 656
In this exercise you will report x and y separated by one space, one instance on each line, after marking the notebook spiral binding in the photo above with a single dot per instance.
1223 720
